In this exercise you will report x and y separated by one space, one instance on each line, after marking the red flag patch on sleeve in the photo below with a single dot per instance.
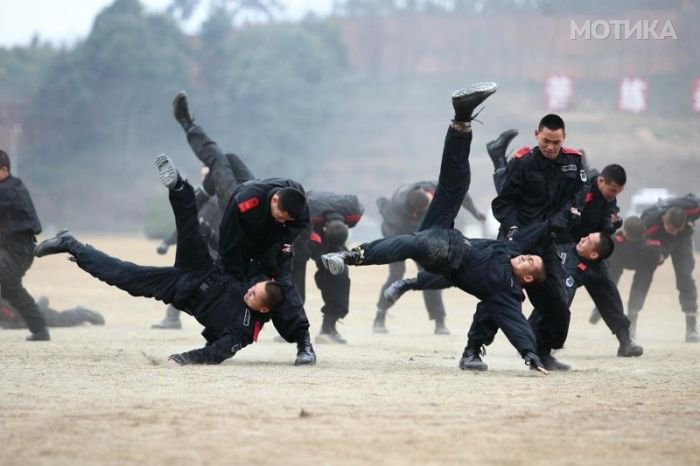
315 237
589 198
249 204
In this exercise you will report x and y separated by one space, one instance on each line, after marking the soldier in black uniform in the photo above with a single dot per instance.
209 214
261 220
232 314
19 226
671 223
9 318
491 270
402 215
547 182
331 216
633 251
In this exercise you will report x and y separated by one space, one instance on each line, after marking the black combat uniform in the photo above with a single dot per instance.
399 219
535 189
480 267
679 247
598 215
9 318
194 284
19 226
250 240
311 244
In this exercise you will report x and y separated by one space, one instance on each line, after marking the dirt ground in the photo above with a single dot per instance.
108 395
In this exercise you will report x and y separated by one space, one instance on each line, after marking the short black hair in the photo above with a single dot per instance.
553 122
614 173
336 233
605 247
292 201
4 160
275 295
633 227
677 217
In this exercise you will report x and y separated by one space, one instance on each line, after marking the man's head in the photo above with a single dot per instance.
528 269
611 181
335 233
264 296
633 228
675 220
4 165
550 135
417 201
287 204
595 247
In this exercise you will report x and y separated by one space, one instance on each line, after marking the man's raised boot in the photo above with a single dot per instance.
465 101
394 291
497 148
64 241
181 111
335 262
305 352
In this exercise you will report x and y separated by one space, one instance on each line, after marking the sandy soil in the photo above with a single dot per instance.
107 395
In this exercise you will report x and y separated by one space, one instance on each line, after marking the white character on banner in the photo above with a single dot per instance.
633 95
559 90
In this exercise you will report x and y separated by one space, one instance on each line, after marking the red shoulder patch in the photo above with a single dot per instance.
582 267
652 229
315 237
522 152
256 331
249 204
571 150
619 239
693 212
655 243
589 198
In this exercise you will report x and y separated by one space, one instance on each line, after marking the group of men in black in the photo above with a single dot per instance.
243 244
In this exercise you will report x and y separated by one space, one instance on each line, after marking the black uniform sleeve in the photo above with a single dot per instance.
505 204
529 237
506 309
217 352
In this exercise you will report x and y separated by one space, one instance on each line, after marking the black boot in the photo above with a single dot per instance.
305 352
394 291
64 241
627 348
41 335
471 358
497 148
329 334
335 262
379 325
594 317
181 111
440 327
551 363
465 101
691 330
171 320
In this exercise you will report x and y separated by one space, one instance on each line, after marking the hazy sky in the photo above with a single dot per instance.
63 22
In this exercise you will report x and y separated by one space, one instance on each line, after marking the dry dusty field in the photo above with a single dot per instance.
108 395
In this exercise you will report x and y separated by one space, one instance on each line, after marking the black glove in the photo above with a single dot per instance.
532 360
511 233
162 248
